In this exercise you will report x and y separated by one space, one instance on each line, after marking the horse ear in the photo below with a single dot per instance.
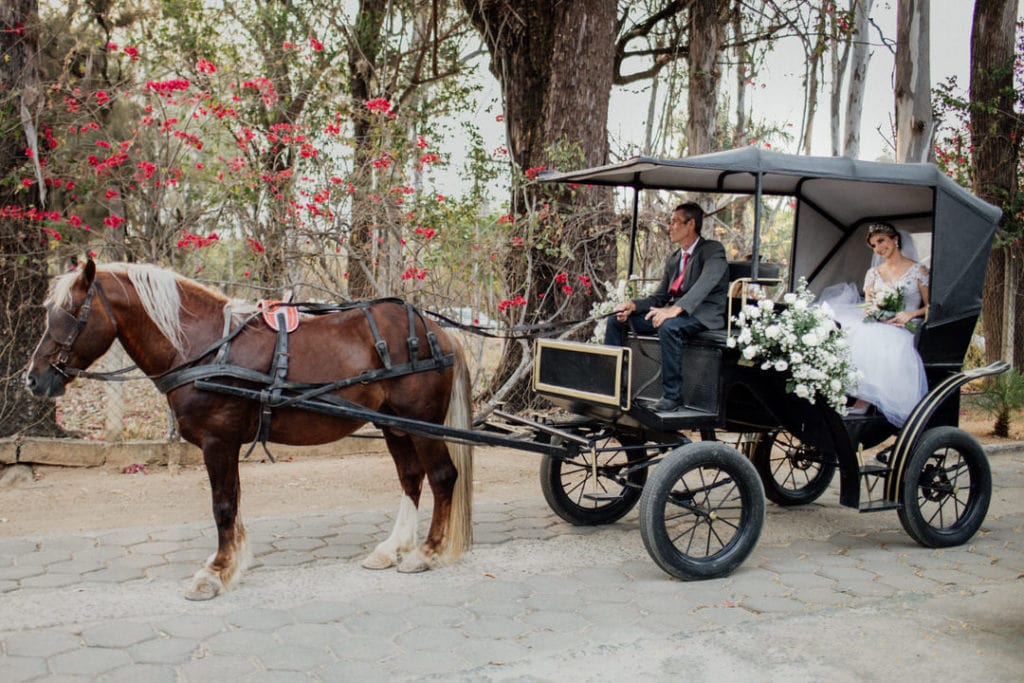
89 272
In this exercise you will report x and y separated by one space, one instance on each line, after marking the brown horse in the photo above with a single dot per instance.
164 320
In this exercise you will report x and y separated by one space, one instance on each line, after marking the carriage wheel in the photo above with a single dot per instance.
576 496
946 488
792 473
702 511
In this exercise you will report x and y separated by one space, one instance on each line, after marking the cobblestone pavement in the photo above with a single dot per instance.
827 594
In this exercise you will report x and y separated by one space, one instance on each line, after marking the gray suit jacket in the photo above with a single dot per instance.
705 285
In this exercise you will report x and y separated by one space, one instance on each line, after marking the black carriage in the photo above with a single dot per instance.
702 505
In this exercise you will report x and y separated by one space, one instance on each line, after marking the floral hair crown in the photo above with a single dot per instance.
883 229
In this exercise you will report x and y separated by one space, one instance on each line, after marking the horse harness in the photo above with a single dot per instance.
277 391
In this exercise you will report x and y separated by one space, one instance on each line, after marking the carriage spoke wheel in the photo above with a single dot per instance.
792 473
946 488
577 496
702 511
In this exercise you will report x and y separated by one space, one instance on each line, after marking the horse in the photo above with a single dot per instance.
167 322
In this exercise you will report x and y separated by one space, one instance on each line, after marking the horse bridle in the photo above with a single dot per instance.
61 366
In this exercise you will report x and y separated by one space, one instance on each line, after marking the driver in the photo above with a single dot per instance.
690 298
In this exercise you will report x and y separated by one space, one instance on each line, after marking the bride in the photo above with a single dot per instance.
893 375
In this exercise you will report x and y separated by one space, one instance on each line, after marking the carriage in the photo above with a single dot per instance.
700 474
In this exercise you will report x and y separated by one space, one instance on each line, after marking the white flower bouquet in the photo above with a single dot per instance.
885 303
800 338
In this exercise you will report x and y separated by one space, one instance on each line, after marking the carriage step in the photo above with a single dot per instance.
879 505
603 497
875 470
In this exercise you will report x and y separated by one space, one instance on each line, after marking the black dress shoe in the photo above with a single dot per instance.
667 405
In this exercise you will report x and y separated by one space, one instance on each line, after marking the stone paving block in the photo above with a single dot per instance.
194 556
120 538
363 648
171 572
479 652
773 605
8 586
431 638
355 672
117 634
218 668
155 548
601 614
382 603
553 602
51 580
562 622
376 625
115 574
239 643
17 669
259 619
865 589
818 597
532 534
279 676
543 642
134 673
194 627
314 635
665 623
101 554
299 543
179 534
953 577
412 665
165 650
905 582
801 581
17 573
294 657
844 575
39 643
285 558
322 612
274 526
340 551
76 566
495 627
718 617
991 571
16 547
435 615
88 661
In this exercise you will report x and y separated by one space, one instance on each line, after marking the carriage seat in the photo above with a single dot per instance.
767 273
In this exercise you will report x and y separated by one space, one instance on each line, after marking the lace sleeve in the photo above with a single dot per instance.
921 274
871 279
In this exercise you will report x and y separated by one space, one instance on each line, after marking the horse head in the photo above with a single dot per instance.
77 332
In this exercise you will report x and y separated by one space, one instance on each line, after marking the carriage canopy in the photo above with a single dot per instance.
835 198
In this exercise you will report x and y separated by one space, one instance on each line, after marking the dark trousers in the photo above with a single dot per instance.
671 334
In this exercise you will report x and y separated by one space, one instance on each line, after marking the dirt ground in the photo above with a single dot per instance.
51 500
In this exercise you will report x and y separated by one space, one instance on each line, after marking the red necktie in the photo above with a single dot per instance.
678 282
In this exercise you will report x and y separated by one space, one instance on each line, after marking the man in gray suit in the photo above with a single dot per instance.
691 297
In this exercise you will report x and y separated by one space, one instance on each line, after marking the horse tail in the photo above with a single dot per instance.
460 415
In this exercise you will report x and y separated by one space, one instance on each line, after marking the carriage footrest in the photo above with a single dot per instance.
875 470
879 505
603 497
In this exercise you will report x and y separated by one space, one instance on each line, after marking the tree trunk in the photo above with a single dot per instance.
707 28
995 134
858 74
23 276
555 63
914 125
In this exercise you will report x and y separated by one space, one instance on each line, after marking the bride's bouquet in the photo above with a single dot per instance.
800 338
884 304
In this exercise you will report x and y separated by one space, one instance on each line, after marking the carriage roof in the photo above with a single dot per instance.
835 198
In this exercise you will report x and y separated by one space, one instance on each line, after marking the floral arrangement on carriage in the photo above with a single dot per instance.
801 338
885 302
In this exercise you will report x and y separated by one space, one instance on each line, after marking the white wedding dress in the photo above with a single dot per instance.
893 374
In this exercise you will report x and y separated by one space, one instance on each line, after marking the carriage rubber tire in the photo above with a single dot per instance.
966 524
564 506
655 501
776 491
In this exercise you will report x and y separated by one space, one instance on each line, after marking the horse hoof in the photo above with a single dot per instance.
377 560
203 590
413 564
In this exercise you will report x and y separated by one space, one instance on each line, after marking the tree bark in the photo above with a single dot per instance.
914 125
995 134
23 275
858 74
707 29
555 63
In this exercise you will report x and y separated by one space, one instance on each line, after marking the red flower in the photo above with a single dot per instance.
255 246
111 194
205 66
316 45
532 173
561 278
421 143
507 218
379 104
27 182
132 52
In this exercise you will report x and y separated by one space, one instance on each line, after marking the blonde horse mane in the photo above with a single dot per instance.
159 290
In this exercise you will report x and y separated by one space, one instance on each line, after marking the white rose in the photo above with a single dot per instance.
810 339
789 298
731 342
773 332
781 365
796 357
750 352
802 390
